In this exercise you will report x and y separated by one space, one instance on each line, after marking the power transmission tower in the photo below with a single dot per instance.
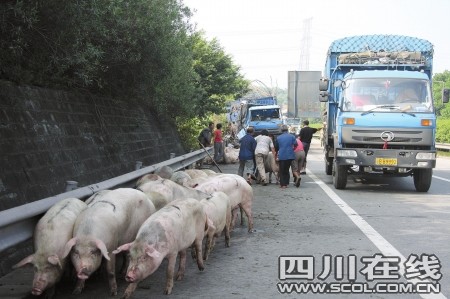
305 45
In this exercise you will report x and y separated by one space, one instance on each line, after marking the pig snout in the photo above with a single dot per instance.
84 273
39 285
36 291
131 275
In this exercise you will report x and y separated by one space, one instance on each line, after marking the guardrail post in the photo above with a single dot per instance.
71 185
138 165
172 155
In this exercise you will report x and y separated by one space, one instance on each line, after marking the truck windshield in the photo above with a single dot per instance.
380 95
264 114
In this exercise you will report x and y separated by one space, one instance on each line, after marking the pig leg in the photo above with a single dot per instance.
242 215
198 250
227 235
233 218
248 211
182 264
129 291
111 270
208 245
125 263
193 254
170 272
79 287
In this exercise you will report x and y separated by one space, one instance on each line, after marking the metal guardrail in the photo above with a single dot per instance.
445 147
17 224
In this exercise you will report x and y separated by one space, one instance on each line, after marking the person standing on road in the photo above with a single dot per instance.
297 163
263 145
285 145
306 134
218 144
204 138
247 155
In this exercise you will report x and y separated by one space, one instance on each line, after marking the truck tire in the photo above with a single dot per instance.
422 179
328 165
339 176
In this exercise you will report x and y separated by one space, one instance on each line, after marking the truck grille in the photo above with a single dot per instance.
403 138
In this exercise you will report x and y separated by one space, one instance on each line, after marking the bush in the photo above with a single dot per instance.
443 130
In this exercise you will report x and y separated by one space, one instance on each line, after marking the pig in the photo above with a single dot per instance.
164 172
51 233
195 173
111 218
271 166
238 190
218 211
180 177
167 188
209 172
169 231
192 183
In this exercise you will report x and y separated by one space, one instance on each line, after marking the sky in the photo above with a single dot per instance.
268 38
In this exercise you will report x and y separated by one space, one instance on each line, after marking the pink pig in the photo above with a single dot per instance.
169 231
52 232
111 218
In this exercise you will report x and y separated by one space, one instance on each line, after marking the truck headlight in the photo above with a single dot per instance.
426 156
346 153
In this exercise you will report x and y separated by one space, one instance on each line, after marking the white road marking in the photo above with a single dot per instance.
386 248
441 178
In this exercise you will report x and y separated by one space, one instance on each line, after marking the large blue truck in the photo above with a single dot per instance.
379 117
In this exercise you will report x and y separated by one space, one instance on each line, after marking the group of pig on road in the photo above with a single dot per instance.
167 213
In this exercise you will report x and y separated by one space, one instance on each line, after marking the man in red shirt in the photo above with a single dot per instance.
218 144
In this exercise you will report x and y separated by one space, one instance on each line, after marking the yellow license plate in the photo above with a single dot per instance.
386 161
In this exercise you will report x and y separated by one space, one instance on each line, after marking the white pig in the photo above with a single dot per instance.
218 210
111 218
51 233
166 233
167 188
238 190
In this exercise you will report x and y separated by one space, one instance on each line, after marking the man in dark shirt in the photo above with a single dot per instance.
306 134
204 138
247 155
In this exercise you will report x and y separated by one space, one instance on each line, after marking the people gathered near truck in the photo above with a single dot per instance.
306 134
264 145
285 145
247 156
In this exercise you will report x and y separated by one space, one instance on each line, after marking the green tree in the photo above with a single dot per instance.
219 79
441 81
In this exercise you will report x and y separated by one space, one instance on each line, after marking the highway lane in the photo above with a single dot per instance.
411 222
308 222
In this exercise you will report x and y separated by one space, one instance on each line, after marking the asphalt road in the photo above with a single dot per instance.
382 218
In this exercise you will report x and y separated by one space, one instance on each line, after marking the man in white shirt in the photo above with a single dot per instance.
263 145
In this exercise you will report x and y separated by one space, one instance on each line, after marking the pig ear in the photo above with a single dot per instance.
124 247
54 260
69 246
100 245
28 260
152 252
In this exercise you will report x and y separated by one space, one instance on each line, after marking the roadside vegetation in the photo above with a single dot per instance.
141 51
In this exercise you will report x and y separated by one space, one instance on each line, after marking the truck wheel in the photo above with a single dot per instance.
422 179
339 176
328 165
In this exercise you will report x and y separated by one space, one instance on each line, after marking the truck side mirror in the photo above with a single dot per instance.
323 84
445 95
323 96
